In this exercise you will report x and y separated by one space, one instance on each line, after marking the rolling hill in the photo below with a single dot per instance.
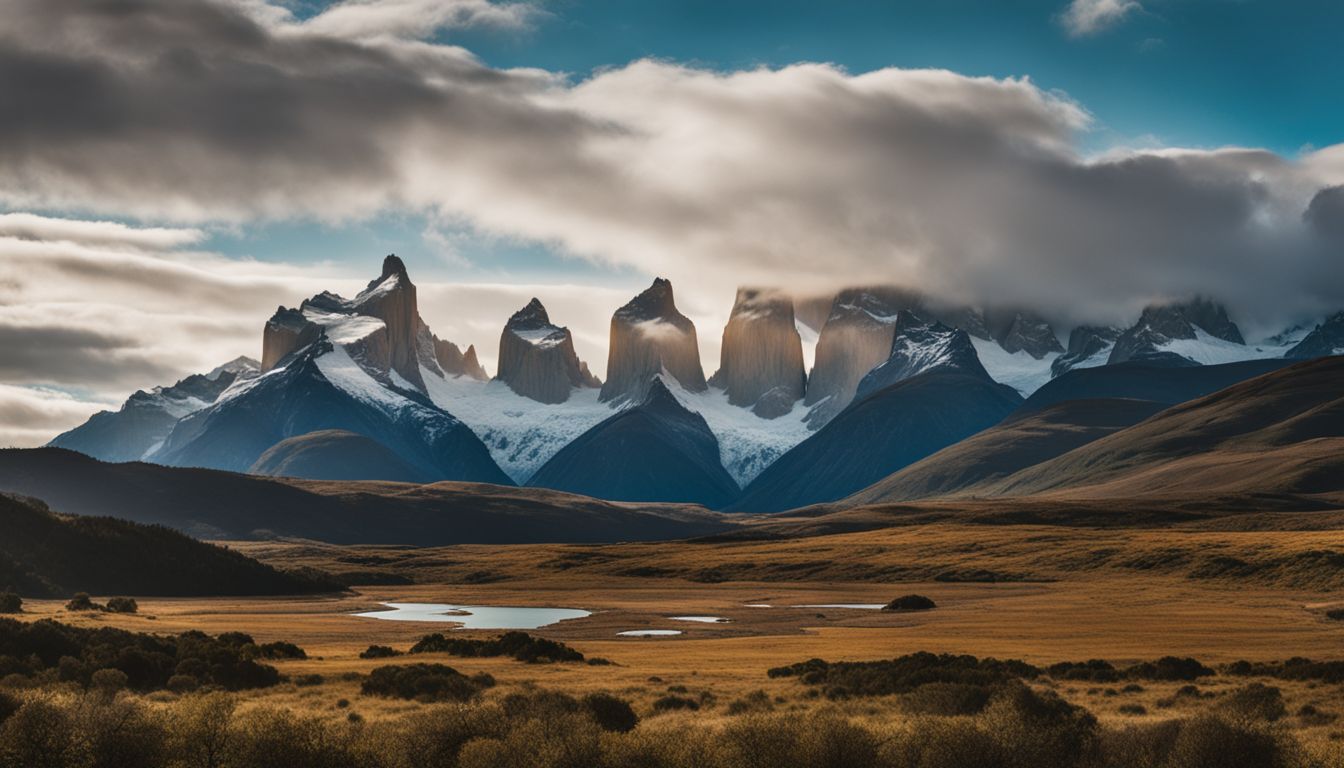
215 504
44 554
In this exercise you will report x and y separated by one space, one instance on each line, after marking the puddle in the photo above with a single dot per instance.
477 616
701 619
649 632
855 606
757 605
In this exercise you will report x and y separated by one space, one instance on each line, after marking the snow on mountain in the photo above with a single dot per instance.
521 433
1019 370
1206 349
747 443
809 336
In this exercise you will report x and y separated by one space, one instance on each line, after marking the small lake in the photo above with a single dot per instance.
477 616
649 632
701 619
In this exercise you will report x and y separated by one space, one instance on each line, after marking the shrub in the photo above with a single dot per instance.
756 701
182 684
82 602
422 682
200 731
1293 669
281 650
8 706
1133 709
1335 614
910 603
1169 668
1256 701
10 602
518 645
946 699
149 661
674 702
308 681
39 735
610 713
1212 742
108 681
1093 670
904 674
379 652
122 605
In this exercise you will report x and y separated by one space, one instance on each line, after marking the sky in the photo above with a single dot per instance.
171 171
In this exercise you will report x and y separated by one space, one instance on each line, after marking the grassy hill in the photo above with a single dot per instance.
44 554
213 504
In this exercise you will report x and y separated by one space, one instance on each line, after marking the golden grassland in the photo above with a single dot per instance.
1067 594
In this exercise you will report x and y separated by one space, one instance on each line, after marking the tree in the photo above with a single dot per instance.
10 602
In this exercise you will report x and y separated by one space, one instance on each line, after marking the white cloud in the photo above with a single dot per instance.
30 416
1088 17
417 19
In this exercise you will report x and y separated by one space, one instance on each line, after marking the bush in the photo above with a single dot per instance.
1293 669
1169 668
1212 742
910 603
1335 614
82 602
38 735
281 650
673 702
122 605
946 699
308 681
518 645
610 712
1256 701
904 674
10 602
422 682
8 706
379 652
148 661
108 681
182 684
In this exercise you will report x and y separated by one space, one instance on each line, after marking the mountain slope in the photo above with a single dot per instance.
321 388
1324 340
1019 441
335 454
146 418
655 451
225 505
1280 433
43 554
1142 381
874 437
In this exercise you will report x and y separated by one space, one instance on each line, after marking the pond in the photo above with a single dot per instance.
649 632
477 616
701 619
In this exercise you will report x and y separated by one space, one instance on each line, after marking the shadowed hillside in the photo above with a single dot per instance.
219 505
1022 440
43 554
1281 433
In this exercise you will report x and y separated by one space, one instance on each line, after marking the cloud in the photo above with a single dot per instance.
1088 17
27 226
1085 18
417 19
193 112
30 416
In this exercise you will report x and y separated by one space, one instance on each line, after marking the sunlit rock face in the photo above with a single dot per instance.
537 358
761 353
286 331
855 339
392 299
648 336
455 362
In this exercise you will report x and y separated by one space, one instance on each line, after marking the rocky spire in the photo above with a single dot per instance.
649 335
537 358
762 351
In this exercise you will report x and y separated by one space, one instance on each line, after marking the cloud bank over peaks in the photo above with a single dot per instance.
807 175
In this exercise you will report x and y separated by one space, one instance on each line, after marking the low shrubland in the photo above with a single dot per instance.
48 651
1020 727
517 645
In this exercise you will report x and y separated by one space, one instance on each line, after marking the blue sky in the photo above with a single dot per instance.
1187 73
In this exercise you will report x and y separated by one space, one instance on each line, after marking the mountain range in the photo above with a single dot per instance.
361 389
